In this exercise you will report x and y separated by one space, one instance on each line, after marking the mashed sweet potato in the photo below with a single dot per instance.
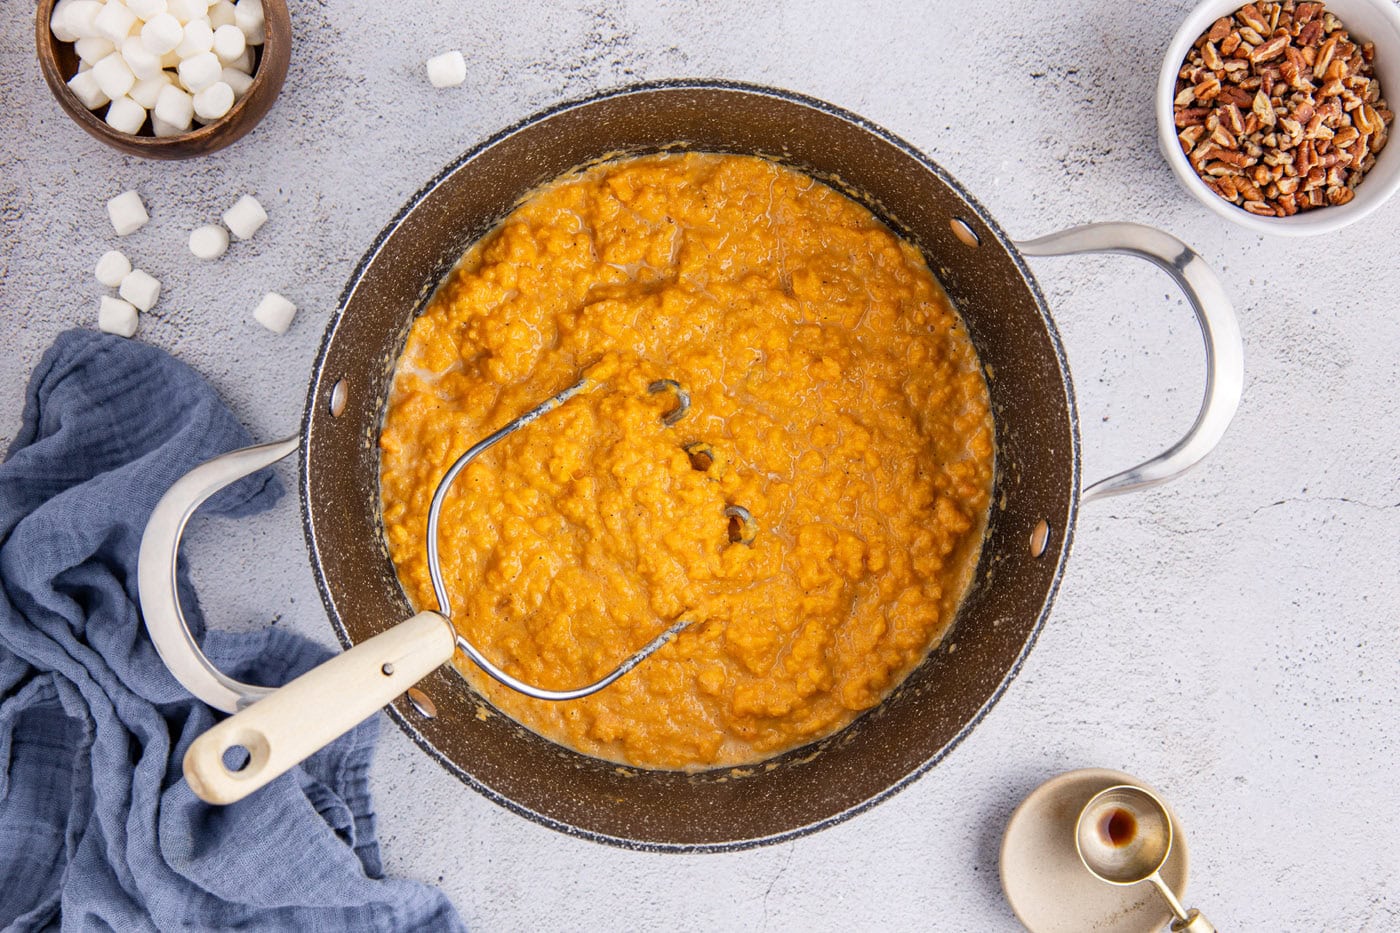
841 403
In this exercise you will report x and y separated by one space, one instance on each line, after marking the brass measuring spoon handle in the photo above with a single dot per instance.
1187 921
1194 923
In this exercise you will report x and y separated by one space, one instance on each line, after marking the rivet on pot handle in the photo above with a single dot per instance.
1219 329
155 574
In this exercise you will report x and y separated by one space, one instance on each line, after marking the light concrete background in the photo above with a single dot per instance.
1231 637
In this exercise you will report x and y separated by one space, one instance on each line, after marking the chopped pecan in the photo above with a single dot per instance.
1278 109
1273 48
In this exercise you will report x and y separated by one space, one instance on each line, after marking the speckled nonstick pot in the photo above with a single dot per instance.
1028 539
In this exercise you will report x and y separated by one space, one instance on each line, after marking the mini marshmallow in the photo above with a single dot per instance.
221 14
80 19
125 115
213 102
58 23
142 61
243 63
113 75
85 87
146 10
209 241
186 10
114 21
199 72
174 108
146 92
112 268
229 43
163 129
117 317
170 61
162 33
141 289
245 217
198 38
93 50
127 212
275 313
248 16
238 81
447 70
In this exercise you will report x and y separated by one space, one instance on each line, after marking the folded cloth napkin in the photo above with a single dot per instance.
98 829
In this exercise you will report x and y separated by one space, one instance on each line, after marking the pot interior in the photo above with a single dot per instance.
1037 468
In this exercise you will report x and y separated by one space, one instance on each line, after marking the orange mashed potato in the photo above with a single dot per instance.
829 376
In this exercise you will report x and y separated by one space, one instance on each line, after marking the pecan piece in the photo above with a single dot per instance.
1270 49
1339 194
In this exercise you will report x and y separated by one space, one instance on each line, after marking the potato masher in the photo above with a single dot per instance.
286 725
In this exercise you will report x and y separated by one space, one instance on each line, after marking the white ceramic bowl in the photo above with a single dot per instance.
1375 21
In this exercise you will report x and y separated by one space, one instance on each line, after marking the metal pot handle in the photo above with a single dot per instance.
156 582
1219 329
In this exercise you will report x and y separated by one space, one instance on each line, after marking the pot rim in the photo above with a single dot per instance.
1071 520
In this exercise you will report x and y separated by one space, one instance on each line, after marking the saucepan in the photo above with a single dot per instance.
1036 499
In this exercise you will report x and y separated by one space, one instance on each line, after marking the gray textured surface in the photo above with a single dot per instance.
1231 638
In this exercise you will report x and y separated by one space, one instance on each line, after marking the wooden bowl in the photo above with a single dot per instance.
59 62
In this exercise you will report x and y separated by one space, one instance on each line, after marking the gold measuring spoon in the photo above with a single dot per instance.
1124 836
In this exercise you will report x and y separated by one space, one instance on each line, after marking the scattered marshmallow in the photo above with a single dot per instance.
142 61
248 16
117 317
200 71
229 43
447 70
209 241
245 217
127 212
85 87
146 92
174 108
146 10
237 81
198 38
140 288
112 268
125 115
213 102
221 14
114 21
113 75
162 33
93 50
275 313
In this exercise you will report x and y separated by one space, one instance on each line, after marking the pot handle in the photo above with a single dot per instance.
1219 329
156 582
296 721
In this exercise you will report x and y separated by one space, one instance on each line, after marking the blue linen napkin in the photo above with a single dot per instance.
98 829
